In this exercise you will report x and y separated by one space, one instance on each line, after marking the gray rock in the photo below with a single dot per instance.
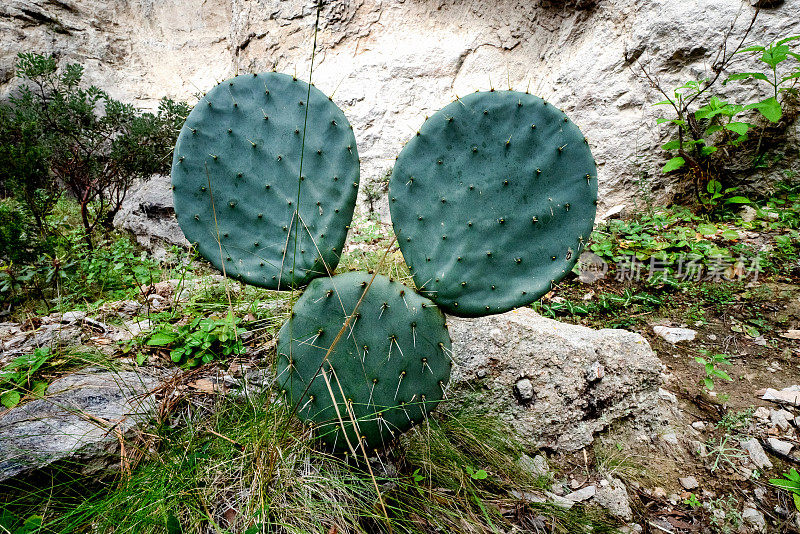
583 494
536 465
675 335
783 447
754 519
614 498
689 482
73 317
790 395
748 214
558 500
780 418
149 214
566 409
757 454
670 438
524 389
81 417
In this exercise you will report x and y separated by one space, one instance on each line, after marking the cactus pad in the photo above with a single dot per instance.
492 201
236 172
392 363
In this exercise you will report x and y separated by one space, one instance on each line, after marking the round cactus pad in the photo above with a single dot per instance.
389 369
237 184
492 201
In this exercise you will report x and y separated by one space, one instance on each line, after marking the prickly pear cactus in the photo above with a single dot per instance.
237 181
392 364
492 201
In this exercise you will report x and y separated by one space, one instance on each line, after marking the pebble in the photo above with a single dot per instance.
762 413
675 335
757 454
670 438
524 389
699 425
790 395
783 447
558 500
689 482
582 494
659 492
779 419
754 518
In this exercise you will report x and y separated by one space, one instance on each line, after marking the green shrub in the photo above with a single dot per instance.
54 134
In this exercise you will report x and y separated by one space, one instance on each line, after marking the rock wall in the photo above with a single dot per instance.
388 63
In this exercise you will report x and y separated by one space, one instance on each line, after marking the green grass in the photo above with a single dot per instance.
244 466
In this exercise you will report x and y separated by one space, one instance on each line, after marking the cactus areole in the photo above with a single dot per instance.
239 191
387 372
492 201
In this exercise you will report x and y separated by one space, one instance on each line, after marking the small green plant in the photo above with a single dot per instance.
692 501
722 453
775 54
791 483
710 363
725 517
17 378
201 341
480 474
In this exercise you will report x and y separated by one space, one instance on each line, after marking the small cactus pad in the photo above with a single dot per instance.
392 363
492 201
237 182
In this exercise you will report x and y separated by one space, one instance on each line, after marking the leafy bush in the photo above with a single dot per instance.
56 133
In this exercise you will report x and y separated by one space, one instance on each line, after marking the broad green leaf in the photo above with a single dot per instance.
673 164
774 55
755 48
675 144
31 525
707 229
714 186
141 358
738 200
792 76
38 388
708 383
730 234
769 108
161 339
738 127
10 398
745 76
664 103
788 39
707 150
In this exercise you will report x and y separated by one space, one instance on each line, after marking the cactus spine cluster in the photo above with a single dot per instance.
491 202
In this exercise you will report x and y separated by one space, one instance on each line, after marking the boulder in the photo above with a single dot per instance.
149 214
532 373
82 417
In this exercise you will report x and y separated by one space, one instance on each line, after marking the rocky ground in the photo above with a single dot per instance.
611 411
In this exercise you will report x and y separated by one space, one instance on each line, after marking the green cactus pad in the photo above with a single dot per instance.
392 364
242 146
492 202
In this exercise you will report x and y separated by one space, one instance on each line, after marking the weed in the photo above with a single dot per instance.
17 378
710 363
723 453
791 483
201 341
